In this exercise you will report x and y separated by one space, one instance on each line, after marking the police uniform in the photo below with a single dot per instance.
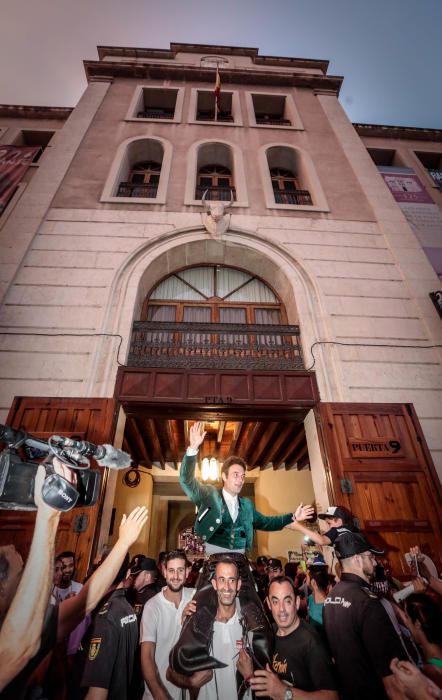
361 637
112 643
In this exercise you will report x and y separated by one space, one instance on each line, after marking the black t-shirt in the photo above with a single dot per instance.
334 533
16 689
300 658
110 651
362 639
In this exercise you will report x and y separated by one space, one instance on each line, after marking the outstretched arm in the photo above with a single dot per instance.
191 486
277 522
302 513
73 610
20 635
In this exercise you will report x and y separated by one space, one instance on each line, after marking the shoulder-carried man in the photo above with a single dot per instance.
226 521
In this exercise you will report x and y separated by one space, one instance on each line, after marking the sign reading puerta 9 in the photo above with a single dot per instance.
374 448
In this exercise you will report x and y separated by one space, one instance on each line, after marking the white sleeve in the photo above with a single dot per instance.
149 623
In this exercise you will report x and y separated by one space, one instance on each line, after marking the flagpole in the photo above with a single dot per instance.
217 89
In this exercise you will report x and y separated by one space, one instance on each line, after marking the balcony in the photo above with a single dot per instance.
293 197
156 114
269 120
132 189
210 117
215 345
219 194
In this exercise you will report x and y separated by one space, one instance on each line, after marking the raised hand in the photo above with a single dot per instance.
132 525
196 435
303 512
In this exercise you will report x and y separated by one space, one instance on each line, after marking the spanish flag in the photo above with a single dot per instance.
217 90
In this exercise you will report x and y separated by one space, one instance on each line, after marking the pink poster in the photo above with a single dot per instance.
14 162
405 186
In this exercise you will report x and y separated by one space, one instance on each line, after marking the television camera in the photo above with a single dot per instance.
17 475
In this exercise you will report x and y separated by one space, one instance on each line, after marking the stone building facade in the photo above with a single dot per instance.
114 206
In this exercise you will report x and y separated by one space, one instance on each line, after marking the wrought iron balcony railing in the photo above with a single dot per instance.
210 117
156 114
132 189
273 121
215 345
292 197
220 194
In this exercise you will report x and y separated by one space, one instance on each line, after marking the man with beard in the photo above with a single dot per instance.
67 587
161 625
144 584
227 641
362 640
226 522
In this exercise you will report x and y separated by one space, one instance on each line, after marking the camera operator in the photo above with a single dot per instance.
24 594
24 639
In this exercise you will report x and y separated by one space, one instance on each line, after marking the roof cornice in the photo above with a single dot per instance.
252 76
212 49
412 133
33 112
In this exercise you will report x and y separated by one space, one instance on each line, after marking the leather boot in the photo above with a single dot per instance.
192 651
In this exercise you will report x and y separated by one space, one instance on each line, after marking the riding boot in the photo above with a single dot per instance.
192 651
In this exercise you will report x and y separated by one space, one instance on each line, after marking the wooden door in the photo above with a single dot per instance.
381 469
86 419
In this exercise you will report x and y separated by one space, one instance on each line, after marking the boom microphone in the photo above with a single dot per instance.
80 451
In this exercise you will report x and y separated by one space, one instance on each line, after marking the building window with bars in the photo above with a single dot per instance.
143 180
286 189
217 180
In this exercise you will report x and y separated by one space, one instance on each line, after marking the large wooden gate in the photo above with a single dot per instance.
87 419
381 469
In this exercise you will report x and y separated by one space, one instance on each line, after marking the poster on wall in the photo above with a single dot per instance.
14 162
418 208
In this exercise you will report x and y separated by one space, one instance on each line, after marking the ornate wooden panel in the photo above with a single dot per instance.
381 469
212 387
89 419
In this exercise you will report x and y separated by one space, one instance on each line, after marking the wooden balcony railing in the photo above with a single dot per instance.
215 345
292 197
131 189
220 194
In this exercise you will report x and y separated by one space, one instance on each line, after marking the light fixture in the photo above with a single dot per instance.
209 469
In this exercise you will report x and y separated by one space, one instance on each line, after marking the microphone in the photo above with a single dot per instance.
81 450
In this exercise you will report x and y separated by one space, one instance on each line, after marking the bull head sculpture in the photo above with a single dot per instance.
214 216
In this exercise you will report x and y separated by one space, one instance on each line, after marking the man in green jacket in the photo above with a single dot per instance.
226 521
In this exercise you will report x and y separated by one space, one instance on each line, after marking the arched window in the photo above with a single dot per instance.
143 180
218 180
285 168
214 316
141 169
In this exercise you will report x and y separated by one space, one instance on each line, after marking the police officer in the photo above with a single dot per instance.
362 639
111 646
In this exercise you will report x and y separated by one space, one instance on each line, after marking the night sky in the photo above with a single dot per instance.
389 51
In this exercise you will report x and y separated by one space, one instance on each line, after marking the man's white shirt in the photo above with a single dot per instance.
227 642
161 623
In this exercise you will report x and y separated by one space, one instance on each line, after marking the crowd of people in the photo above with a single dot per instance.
222 627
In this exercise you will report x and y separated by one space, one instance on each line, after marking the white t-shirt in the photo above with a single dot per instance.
161 623
227 642
63 593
